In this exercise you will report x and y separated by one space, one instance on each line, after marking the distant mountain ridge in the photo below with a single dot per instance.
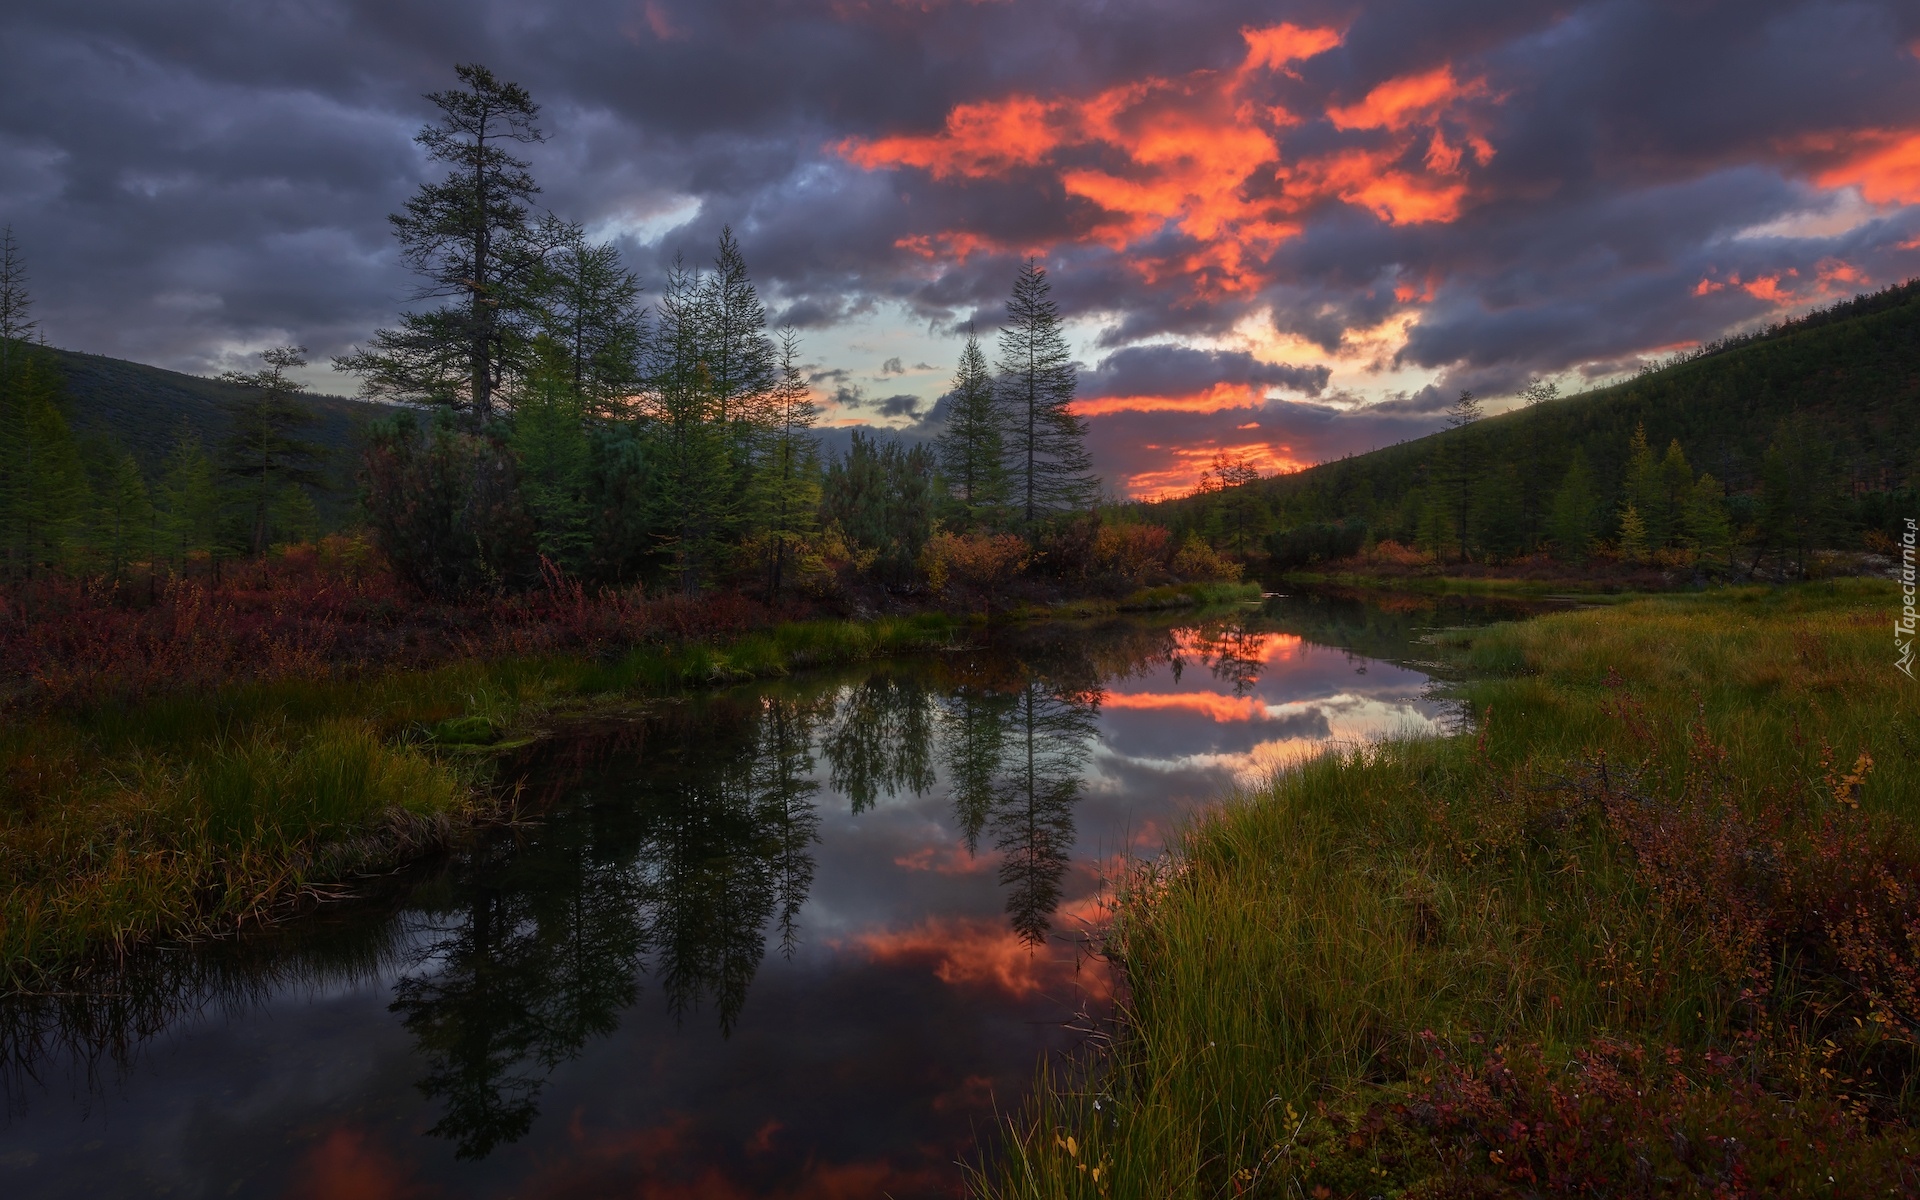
144 409
1850 374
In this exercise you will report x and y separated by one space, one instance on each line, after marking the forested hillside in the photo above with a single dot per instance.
147 408
1809 429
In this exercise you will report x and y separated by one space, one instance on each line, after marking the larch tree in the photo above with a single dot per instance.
590 309
1047 465
263 449
690 498
471 238
740 361
973 443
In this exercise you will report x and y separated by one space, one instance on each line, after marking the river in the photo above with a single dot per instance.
801 939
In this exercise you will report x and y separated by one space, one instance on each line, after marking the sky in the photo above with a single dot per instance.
1291 231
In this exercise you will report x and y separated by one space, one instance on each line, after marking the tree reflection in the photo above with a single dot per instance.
881 739
1016 745
1048 739
677 863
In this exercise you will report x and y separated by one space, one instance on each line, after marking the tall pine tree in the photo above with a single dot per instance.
788 478
973 443
471 239
1047 465
690 493
590 309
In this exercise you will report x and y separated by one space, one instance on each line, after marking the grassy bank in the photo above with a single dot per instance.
198 812
1651 928
1455 585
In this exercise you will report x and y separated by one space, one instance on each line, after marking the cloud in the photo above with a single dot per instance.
1180 378
1393 198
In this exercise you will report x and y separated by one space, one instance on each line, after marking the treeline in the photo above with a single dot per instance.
553 423
1754 455
545 422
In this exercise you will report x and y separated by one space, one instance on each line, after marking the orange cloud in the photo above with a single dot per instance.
1201 155
1217 398
1883 163
1397 103
1182 475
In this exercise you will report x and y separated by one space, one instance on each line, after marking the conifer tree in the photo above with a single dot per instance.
263 450
1048 468
16 305
590 308
1709 528
740 364
43 485
789 473
471 239
972 445
690 502
124 520
1575 509
189 500
1461 465
1633 534
550 440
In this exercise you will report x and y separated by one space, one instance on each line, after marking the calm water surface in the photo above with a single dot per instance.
797 940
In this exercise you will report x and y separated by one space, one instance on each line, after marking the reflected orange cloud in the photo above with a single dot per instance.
948 858
347 1166
669 1161
1262 648
979 954
1212 705
1201 155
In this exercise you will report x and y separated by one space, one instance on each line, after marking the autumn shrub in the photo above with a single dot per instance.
974 564
1198 562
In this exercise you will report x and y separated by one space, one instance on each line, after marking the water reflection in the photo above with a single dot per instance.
680 845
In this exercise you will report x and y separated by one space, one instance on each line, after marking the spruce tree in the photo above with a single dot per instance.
263 449
470 238
1048 468
973 443
1709 528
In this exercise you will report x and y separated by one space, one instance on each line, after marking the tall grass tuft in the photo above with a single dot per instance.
1677 844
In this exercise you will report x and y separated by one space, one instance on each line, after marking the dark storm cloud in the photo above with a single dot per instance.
1167 370
195 180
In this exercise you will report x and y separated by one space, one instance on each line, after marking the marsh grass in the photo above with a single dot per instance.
1319 969
189 814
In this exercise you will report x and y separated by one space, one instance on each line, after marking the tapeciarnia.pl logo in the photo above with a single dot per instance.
1903 626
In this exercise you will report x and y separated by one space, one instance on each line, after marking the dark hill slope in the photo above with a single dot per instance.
1848 376
144 409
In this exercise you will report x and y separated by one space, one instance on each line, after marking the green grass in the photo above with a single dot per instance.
193 814
1295 947
1452 585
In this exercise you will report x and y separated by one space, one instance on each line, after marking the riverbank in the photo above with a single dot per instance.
199 811
1656 918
